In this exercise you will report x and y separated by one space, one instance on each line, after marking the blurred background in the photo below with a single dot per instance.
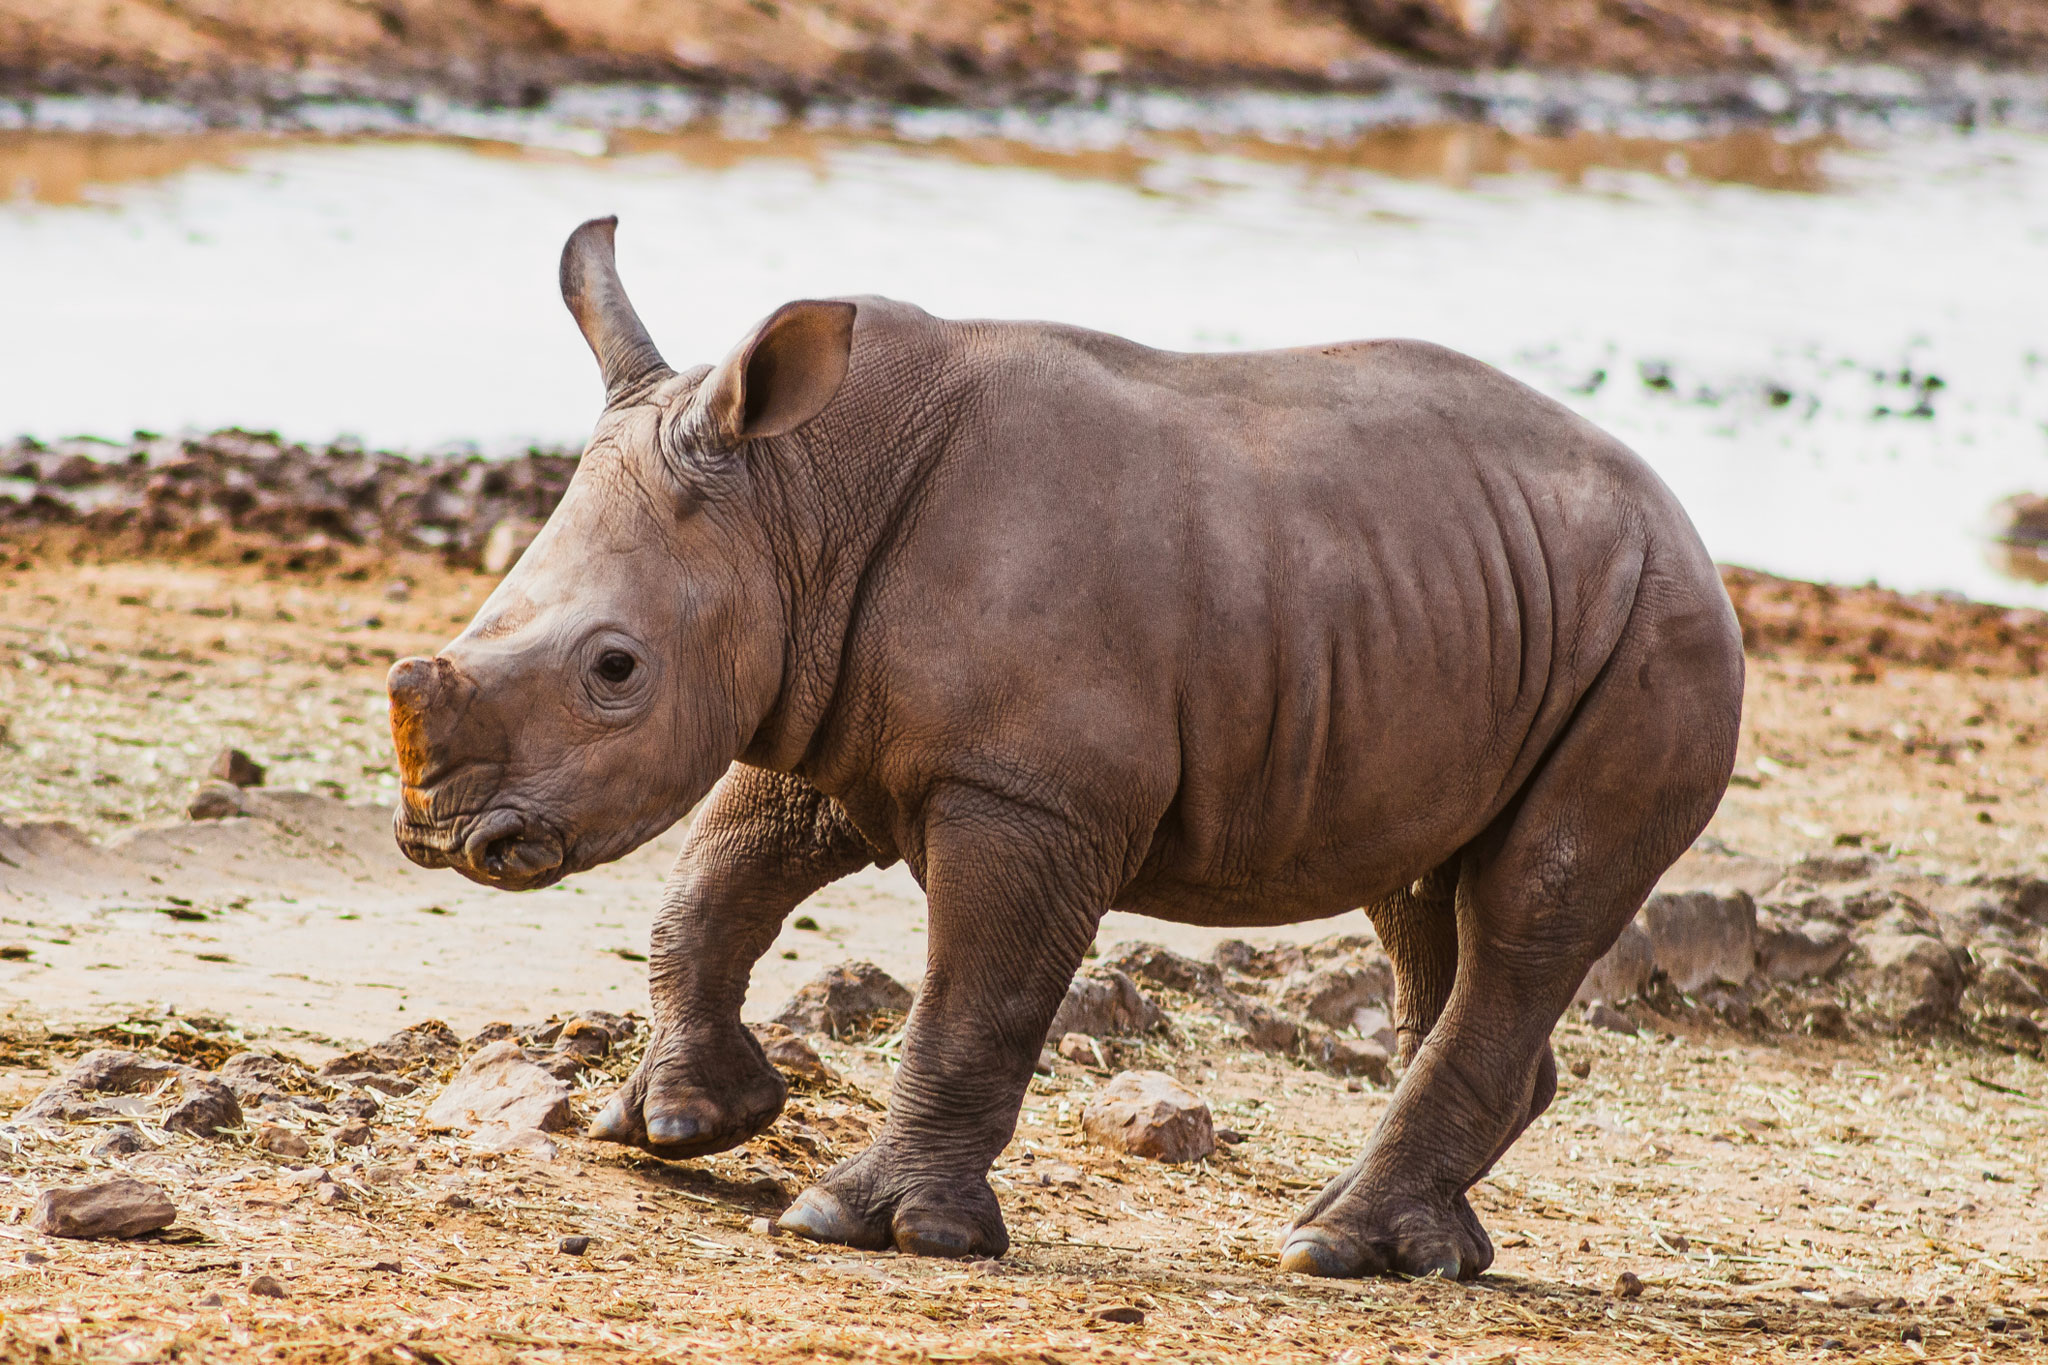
1797 255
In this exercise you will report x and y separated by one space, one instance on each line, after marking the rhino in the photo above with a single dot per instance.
1067 623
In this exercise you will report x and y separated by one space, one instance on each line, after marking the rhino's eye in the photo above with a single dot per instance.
615 666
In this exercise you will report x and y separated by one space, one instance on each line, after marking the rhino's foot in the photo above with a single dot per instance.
1355 1237
874 1202
693 1095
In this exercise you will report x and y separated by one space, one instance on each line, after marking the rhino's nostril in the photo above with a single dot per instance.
503 846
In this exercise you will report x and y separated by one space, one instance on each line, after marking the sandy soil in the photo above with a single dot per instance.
979 50
1777 1197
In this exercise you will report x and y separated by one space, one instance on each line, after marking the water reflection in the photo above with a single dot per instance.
63 168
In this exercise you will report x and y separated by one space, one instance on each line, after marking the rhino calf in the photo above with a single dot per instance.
1067 623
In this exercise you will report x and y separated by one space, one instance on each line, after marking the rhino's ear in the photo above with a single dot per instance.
783 374
590 286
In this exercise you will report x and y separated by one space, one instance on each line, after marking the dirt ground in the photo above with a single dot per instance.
1775 1197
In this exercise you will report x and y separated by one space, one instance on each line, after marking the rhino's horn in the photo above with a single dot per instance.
591 288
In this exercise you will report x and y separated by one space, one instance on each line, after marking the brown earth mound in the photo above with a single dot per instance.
983 51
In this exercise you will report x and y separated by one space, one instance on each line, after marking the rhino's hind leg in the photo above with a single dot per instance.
762 843
1540 895
1419 927
1015 901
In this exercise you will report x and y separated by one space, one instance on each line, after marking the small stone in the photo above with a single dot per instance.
790 1054
573 1246
208 1300
850 999
355 1106
1228 1137
303 1176
1128 1314
236 768
761 1227
584 1038
454 1201
354 1134
500 1088
268 1287
1581 1067
281 1141
113 1208
1344 1056
1150 1114
1628 1285
1104 1003
120 1140
1079 1047
214 801
330 1194
1602 1015
1585 1245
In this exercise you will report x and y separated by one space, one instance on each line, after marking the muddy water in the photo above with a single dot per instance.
1838 355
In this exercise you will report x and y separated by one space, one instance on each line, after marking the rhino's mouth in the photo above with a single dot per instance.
499 847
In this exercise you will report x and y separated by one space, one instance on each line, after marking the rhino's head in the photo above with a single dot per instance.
638 644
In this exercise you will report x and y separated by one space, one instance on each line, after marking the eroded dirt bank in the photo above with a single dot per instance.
982 51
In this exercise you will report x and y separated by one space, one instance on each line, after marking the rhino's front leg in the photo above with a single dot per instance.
761 844
1014 906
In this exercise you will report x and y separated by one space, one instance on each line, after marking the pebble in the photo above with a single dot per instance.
268 1287
1150 1114
1121 1312
355 1134
120 1140
1628 1285
573 1246
761 1227
281 1141
113 1208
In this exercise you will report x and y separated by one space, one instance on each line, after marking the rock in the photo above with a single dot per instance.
1804 951
120 1140
1700 937
499 1088
214 801
1377 1026
1912 980
1260 1026
506 542
353 1134
1333 995
1082 1049
850 999
1623 972
281 1141
2008 977
789 1054
1351 1057
1826 1019
1602 1015
526 1141
113 1208
1150 1114
573 1246
584 1038
563 1066
1127 1314
1162 967
203 1106
1628 1285
489 1033
1104 1003
268 1287
1245 959
236 768
357 1106
260 1066
330 1194
430 1044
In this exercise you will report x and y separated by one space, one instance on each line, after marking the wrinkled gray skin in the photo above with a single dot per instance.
1070 624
